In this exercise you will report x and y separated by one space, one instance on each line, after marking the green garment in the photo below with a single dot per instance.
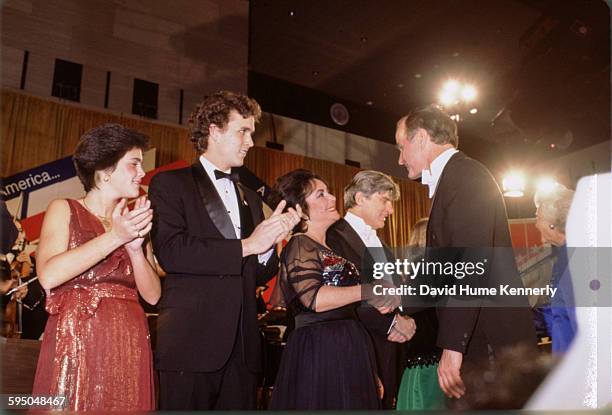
419 389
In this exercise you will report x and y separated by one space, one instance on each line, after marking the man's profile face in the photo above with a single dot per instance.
412 152
234 141
376 208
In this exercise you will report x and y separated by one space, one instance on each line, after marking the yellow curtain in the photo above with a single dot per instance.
269 164
36 130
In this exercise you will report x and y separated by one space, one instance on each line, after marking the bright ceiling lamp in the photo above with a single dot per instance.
449 95
453 92
447 98
514 184
452 86
468 93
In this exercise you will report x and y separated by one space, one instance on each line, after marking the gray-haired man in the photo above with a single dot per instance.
369 202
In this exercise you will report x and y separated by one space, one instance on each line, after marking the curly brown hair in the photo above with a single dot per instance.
215 109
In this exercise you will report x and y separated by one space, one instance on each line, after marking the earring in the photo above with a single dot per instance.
551 226
106 178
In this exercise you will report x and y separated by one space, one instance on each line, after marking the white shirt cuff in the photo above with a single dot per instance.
263 258
392 324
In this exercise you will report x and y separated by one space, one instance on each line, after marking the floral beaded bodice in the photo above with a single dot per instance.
306 266
338 271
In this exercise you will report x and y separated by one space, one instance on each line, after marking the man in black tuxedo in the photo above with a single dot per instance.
468 211
369 201
211 239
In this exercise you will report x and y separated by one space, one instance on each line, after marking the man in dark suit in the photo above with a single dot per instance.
211 239
468 211
369 201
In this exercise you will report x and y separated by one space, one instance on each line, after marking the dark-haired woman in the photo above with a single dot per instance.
95 350
328 362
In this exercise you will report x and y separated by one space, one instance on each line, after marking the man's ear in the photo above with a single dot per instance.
421 137
424 138
213 132
359 196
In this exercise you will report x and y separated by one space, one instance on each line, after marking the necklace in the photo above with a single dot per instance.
105 221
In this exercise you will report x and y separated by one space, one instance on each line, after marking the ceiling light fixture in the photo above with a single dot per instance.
468 93
514 184
451 86
446 98
455 96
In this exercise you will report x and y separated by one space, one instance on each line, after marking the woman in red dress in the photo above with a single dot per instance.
96 350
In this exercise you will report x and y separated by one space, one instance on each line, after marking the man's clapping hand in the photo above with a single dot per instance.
272 230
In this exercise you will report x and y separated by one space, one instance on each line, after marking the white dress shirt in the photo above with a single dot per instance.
432 177
370 240
227 192
365 231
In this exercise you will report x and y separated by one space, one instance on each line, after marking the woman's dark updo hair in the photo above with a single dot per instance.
102 147
294 187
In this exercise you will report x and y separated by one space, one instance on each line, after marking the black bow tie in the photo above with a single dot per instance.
233 176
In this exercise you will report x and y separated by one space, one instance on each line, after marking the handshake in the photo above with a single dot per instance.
403 327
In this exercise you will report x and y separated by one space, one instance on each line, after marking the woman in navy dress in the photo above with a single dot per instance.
328 362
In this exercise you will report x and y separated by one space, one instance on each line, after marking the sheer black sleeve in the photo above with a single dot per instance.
301 273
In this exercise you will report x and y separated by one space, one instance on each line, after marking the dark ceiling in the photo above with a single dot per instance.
541 67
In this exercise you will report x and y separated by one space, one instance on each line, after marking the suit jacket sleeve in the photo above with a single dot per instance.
177 249
368 315
266 272
471 204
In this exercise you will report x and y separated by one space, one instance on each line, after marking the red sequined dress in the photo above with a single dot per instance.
96 350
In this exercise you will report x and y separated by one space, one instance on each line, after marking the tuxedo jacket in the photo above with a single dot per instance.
344 240
468 210
208 300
